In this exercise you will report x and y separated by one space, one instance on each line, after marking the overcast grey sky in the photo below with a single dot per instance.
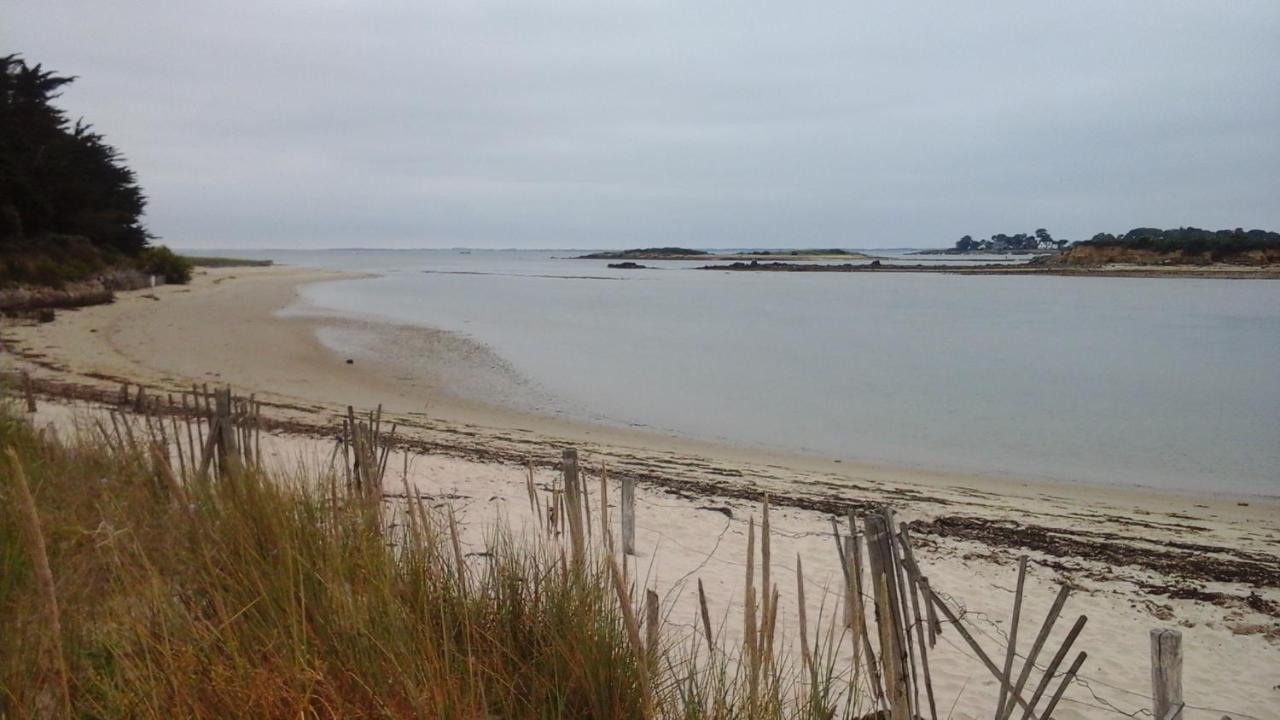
314 123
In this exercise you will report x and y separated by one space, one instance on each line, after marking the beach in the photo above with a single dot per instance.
1136 558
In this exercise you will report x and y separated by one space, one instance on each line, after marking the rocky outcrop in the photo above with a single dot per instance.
1090 255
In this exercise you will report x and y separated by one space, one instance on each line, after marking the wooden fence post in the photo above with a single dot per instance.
628 515
573 502
1166 673
893 658
226 443
652 621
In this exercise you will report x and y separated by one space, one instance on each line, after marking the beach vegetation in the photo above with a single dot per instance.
206 261
164 262
69 204
1190 240
125 592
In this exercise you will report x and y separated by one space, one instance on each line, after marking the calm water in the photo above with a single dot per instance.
1169 383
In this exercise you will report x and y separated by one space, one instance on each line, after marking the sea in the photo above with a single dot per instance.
1166 383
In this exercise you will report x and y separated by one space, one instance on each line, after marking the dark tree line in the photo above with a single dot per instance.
68 202
1190 240
1000 242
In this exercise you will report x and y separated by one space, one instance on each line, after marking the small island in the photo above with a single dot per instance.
1141 252
1181 246
679 253
1037 243
628 266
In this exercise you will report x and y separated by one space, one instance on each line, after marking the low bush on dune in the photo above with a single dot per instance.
126 593
165 263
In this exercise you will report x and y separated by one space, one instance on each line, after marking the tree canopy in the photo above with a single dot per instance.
59 178
1190 240
1000 242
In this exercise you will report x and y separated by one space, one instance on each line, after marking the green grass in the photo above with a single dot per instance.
274 596
225 262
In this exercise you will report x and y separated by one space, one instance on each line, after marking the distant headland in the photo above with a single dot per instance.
1141 252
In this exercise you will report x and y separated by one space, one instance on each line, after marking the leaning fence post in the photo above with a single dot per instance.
1166 673
628 515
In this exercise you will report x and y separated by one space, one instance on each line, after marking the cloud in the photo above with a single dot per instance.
313 124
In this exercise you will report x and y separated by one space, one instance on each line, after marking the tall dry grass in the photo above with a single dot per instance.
271 597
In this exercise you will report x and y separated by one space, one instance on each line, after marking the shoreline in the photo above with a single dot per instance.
1138 558
267 312
1217 272
262 307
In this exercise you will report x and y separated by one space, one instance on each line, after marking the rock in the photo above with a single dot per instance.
350 361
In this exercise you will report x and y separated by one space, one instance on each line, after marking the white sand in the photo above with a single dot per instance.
221 329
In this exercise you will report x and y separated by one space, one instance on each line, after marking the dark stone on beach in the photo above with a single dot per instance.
875 263
44 315
350 361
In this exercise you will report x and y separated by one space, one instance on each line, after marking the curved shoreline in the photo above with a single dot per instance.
250 332
1138 557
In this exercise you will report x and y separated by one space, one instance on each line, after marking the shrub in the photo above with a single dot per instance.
162 261
51 260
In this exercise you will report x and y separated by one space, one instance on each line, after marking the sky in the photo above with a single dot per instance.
584 124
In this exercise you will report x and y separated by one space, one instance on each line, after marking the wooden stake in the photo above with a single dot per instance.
931 615
913 579
706 619
1053 666
899 590
1166 673
1015 696
573 503
628 515
1041 637
853 551
893 660
1012 650
651 625
1062 688
532 491
605 535
806 657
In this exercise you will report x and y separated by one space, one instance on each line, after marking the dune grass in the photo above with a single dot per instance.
270 596
225 262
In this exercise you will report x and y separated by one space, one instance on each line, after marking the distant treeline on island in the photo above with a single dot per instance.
1187 244
1190 240
1002 243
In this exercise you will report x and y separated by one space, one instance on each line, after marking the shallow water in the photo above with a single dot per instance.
1173 383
